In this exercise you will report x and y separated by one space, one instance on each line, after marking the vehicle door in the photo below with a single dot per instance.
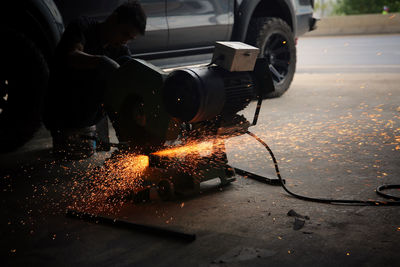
156 35
197 23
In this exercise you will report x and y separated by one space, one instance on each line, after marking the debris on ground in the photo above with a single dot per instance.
292 213
298 224
299 220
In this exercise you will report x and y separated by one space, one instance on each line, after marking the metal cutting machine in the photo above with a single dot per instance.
181 119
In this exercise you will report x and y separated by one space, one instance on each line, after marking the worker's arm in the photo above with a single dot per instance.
78 59
70 50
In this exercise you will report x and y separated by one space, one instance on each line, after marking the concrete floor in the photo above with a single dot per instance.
334 135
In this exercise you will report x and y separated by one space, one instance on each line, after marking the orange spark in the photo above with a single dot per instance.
190 148
132 165
106 187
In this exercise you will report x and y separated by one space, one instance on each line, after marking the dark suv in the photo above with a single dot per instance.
179 32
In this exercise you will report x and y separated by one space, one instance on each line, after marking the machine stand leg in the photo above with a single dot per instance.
259 178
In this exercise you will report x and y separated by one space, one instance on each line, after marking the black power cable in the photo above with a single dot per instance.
333 201
380 188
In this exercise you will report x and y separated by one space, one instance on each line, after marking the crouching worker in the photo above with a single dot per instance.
87 54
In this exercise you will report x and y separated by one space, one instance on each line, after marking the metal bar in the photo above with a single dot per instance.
258 177
130 225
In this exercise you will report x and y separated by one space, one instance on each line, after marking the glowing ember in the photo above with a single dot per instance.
106 188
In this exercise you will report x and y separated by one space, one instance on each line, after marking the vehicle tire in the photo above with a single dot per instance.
23 78
276 41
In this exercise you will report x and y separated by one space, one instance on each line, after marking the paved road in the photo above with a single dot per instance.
335 134
373 53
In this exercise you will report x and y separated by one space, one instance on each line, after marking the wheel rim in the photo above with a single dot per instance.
277 53
4 91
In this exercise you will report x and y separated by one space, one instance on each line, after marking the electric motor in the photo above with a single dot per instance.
203 93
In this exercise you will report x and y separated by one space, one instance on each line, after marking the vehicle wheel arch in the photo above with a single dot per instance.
247 10
35 20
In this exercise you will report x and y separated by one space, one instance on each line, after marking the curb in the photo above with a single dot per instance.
357 24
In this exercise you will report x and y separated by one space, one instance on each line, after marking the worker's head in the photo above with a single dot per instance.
126 22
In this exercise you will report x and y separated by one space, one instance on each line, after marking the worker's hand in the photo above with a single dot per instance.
83 61
107 64
106 67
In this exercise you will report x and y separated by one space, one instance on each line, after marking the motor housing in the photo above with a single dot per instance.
204 93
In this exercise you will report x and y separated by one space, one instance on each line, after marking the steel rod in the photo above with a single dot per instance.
131 225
